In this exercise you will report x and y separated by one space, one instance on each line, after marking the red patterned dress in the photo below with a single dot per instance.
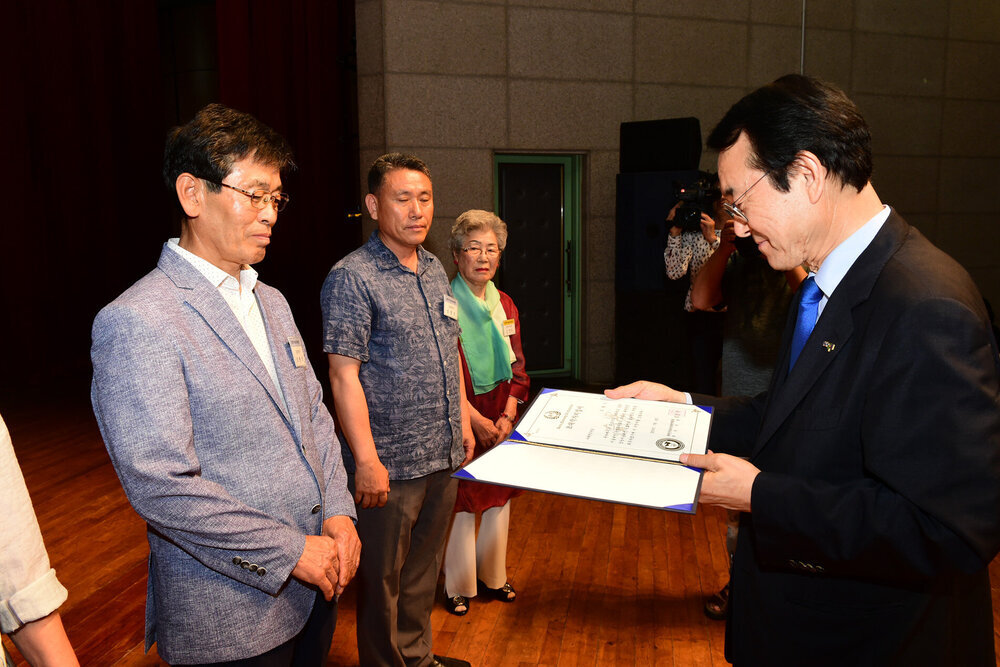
476 496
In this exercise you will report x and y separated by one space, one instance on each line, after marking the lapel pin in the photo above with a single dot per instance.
828 346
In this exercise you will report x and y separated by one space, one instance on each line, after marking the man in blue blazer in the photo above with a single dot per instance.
870 487
215 422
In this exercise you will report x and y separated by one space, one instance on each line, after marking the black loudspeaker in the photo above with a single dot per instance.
650 336
643 201
670 144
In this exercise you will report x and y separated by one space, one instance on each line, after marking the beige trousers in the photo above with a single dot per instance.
468 557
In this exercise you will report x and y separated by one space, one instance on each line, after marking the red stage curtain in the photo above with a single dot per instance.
86 105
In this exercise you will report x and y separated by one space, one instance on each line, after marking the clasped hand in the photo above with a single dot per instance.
504 426
319 565
485 430
329 561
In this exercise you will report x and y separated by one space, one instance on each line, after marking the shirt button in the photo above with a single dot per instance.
315 509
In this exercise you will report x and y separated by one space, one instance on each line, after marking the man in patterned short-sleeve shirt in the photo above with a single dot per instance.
391 335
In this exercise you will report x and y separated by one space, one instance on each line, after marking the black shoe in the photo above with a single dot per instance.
454 603
442 661
505 593
717 606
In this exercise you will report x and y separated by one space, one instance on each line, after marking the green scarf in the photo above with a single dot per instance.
484 346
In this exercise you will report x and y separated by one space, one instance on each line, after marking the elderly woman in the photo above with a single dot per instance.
495 384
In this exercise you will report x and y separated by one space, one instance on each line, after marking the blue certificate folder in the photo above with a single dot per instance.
609 472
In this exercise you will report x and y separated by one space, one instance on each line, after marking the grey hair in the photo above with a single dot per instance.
474 220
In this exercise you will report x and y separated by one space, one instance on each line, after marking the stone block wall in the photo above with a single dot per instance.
456 80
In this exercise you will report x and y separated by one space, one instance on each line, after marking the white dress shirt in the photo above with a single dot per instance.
243 302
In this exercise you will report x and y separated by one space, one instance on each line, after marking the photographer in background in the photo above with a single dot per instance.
691 242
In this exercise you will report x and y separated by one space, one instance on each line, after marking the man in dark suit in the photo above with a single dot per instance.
870 492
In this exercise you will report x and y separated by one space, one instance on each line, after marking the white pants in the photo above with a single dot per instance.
467 556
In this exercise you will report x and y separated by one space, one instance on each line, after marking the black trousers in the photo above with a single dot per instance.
309 648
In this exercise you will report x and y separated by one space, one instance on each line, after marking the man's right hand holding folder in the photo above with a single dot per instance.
728 480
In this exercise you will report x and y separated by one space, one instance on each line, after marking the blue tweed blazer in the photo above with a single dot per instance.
228 481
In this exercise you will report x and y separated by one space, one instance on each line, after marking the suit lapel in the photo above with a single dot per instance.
278 339
833 330
205 299
279 334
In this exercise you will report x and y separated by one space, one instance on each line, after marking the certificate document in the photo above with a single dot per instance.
587 445
626 426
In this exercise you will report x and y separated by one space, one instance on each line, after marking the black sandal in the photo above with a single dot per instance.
505 593
454 603
717 605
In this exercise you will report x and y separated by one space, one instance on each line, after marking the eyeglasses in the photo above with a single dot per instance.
261 198
491 252
734 209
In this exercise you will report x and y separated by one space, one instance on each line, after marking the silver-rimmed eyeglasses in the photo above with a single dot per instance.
734 209
491 252
261 198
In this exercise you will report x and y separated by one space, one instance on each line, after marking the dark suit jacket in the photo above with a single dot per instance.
877 509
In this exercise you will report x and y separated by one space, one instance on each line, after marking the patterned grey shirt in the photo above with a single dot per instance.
392 320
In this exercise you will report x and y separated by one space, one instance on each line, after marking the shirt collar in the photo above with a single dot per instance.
842 258
386 259
215 275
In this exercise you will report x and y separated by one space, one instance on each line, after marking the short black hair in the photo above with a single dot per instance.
797 113
390 162
215 139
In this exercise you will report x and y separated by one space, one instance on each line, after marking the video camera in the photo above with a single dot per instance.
696 198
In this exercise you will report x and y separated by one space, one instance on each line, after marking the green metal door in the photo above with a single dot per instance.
538 196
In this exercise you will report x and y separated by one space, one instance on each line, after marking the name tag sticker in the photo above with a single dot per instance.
450 307
298 352
508 327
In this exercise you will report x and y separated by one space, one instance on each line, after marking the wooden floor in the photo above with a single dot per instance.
598 584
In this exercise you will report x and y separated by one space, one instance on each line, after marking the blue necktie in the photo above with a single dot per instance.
806 319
